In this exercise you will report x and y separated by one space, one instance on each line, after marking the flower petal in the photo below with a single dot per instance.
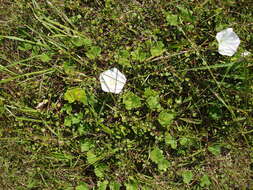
246 53
112 80
228 42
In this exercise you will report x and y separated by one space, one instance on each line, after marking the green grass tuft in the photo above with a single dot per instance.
184 118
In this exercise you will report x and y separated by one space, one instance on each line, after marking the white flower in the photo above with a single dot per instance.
112 80
228 42
246 53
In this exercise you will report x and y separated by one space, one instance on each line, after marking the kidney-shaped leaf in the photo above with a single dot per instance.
76 94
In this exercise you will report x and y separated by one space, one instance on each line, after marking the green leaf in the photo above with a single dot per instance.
80 41
157 49
100 170
131 186
169 140
93 52
76 94
163 165
67 121
102 185
67 108
86 146
149 93
114 185
131 100
68 188
106 129
123 58
83 128
205 181
25 47
187 176
146 188
185 14
215 112
172 19
215 149
69 69
183 141
75 120
45 57
139 55
165 118
83 186
156 155
91 157
153 102
75 19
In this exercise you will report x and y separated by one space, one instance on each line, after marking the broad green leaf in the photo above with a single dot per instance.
25 46
67 108
215 112
102 185
68 188
153 102
114 185
76 94
86 146
163 165
157 49
139 55
123 58
146 188
149 92
183 141
83 186
75 120
100 170
131 100
70 95
91 99
215 149
45 57
185 14
67 121
91 157
75 19
69 69
172 19
80 41
187 176
131 186
165 118
106 129
83 128
169 140
156 155
93 52
205 181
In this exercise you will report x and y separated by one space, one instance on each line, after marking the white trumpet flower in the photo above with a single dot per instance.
245 54
228 42
112 80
